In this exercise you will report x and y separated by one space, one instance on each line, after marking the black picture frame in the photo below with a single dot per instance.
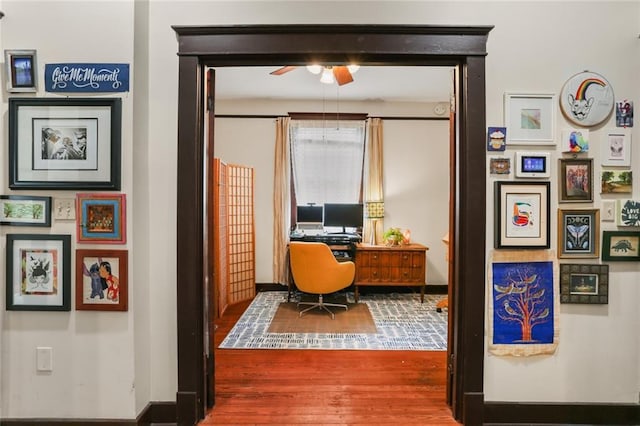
25 210
575 176
621 246
38 272
21 70
509 230
65 143
584 283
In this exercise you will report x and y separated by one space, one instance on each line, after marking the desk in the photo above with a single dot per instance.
403 265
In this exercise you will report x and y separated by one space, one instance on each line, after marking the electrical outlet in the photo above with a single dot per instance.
44 358
608 211
64 209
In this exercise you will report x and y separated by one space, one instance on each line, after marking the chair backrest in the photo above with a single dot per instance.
316 270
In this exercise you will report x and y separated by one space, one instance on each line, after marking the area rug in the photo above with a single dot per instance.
401 321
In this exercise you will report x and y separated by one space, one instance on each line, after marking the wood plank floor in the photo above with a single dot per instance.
298 387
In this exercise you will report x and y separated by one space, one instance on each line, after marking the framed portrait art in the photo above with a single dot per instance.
38 269
530 118
575 176
25 210
584 283
101 280
21 70
621 245
101 218
578 233
522 216
64 143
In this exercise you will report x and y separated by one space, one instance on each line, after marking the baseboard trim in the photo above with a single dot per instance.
513 413
65 422
157 412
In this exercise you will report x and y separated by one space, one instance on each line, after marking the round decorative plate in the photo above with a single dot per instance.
587 99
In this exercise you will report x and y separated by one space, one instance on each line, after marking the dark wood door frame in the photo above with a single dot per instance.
265 45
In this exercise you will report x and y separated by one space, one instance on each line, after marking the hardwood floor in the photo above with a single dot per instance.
288 387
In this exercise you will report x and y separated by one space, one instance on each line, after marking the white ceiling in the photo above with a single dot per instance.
371 83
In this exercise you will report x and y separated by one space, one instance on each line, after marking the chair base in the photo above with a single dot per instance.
321 305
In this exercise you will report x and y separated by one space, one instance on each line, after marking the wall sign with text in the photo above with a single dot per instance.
86 77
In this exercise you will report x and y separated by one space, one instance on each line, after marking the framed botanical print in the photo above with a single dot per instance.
25 210
101 218
38 268
575 176
628 213
578 233
584 283
521 214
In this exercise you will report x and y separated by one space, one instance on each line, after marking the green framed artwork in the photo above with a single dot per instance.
621 245
25 210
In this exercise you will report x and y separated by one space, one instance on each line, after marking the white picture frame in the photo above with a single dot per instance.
616 148
530 119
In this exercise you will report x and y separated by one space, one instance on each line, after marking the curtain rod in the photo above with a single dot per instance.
373 116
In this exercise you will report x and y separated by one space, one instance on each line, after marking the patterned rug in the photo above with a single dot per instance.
402 323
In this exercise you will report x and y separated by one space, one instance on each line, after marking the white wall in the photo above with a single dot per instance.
534 47
415 167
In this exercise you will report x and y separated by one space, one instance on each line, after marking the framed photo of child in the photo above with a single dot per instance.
101 280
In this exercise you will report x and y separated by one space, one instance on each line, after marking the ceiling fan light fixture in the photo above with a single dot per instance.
327 76
353 68
314 68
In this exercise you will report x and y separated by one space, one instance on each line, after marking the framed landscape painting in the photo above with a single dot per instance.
25 210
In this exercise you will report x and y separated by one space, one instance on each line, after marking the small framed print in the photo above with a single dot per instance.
616 149
21 70
576 180
38 268
500 166
628 213
496 137
575 140
584 283
616 182
621 245
624 113
101 218
522 214
578 233
101 280
25 210
530 118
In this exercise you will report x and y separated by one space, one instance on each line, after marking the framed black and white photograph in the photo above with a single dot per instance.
21 70
38 268
25 210
578 233
584 283
530 118
64 143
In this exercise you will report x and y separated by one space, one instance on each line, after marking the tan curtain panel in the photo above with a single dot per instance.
373 175
281 202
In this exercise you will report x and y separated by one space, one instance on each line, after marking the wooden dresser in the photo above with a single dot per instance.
404 265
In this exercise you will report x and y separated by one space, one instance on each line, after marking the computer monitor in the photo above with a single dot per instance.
343 215
309 214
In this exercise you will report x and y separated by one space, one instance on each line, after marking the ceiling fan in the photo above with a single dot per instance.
341 74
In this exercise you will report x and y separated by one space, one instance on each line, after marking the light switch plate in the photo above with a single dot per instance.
44 358
64 209
608 213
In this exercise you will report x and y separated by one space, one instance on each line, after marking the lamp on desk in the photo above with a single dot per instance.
374 210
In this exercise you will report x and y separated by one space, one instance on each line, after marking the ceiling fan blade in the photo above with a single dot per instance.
283 70
342 75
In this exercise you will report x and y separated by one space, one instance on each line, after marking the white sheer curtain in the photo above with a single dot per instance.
373 175
281 202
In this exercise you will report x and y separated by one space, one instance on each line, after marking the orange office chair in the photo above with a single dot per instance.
315 270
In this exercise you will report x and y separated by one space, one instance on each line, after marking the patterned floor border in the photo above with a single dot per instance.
403 323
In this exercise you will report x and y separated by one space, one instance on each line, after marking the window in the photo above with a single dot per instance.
326 159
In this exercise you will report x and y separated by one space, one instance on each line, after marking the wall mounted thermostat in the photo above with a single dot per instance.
533 164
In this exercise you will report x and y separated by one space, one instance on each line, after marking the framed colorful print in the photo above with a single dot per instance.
101 280
586 99
616 148
624 113
25 210
575 176
616 182
628 213
530 118
578 233
621 245
575 140
38 268
522 214
496 137
500 165
21 70
101 218
584 283
69 143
